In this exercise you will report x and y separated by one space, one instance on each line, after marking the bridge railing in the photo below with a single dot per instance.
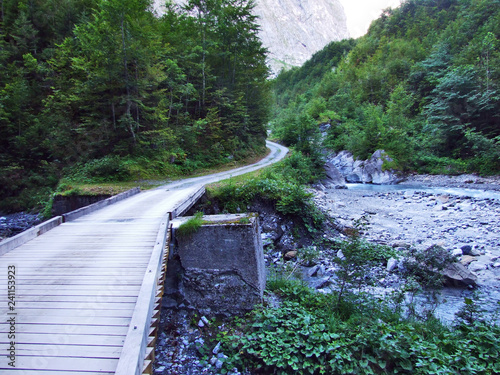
137 342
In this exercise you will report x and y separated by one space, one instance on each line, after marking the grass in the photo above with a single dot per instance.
191 226
113 188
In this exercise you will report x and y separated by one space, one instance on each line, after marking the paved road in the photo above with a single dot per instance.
77 286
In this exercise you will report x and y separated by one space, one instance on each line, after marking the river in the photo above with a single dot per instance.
422 215
461 192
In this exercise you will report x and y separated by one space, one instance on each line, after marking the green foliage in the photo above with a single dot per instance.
281 185
427 265
191 226
421 85
108 168
355 258
471 312
108 91
305 336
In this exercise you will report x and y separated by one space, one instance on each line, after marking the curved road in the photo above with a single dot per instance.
79 287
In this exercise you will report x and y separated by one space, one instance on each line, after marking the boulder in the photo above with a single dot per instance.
334 177
367 171
466 249
467 259
477 266
391 264
456 274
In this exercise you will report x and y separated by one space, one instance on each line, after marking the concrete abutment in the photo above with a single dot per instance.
219 269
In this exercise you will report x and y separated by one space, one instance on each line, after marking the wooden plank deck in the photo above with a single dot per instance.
80 286
86 291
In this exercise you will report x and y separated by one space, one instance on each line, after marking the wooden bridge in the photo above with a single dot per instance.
83 297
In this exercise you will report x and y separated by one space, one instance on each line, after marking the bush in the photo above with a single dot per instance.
106 169
281 185
426 266
305 336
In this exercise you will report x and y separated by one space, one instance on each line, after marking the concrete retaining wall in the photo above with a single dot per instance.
64 204
219 269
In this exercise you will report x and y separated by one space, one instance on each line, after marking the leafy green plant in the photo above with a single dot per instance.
426 265
471 311
305 336
356 256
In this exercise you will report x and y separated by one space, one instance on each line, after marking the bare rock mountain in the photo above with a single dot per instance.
293 30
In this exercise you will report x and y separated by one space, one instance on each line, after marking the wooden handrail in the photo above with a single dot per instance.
131 360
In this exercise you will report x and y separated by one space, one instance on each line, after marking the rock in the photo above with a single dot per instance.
216 350
313 271
496 265
391 264
290 255
267 238
320 283
286 242
293 30
368 171
467 259
475 252
334 177
403 244
457 275
457 252
443 198
466 249
219 364
340 254
477 266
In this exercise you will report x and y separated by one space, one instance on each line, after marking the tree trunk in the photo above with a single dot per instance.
127 85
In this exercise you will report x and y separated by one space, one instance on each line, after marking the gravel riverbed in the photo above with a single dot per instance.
424 215
420 217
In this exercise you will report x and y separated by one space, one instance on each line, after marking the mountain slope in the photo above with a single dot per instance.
423 85
293 30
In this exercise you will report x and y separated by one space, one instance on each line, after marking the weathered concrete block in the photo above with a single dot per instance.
222 267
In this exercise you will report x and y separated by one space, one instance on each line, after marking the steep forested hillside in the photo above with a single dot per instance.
105 89
422 84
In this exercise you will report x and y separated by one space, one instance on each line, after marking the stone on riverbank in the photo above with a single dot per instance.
368 171
457 275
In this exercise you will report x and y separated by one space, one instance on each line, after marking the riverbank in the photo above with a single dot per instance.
396 218
420 217
13 224
466 181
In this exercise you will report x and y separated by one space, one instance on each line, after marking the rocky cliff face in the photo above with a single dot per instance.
293 30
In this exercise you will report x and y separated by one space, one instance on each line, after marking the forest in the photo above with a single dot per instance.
109 90
422 85
103 90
